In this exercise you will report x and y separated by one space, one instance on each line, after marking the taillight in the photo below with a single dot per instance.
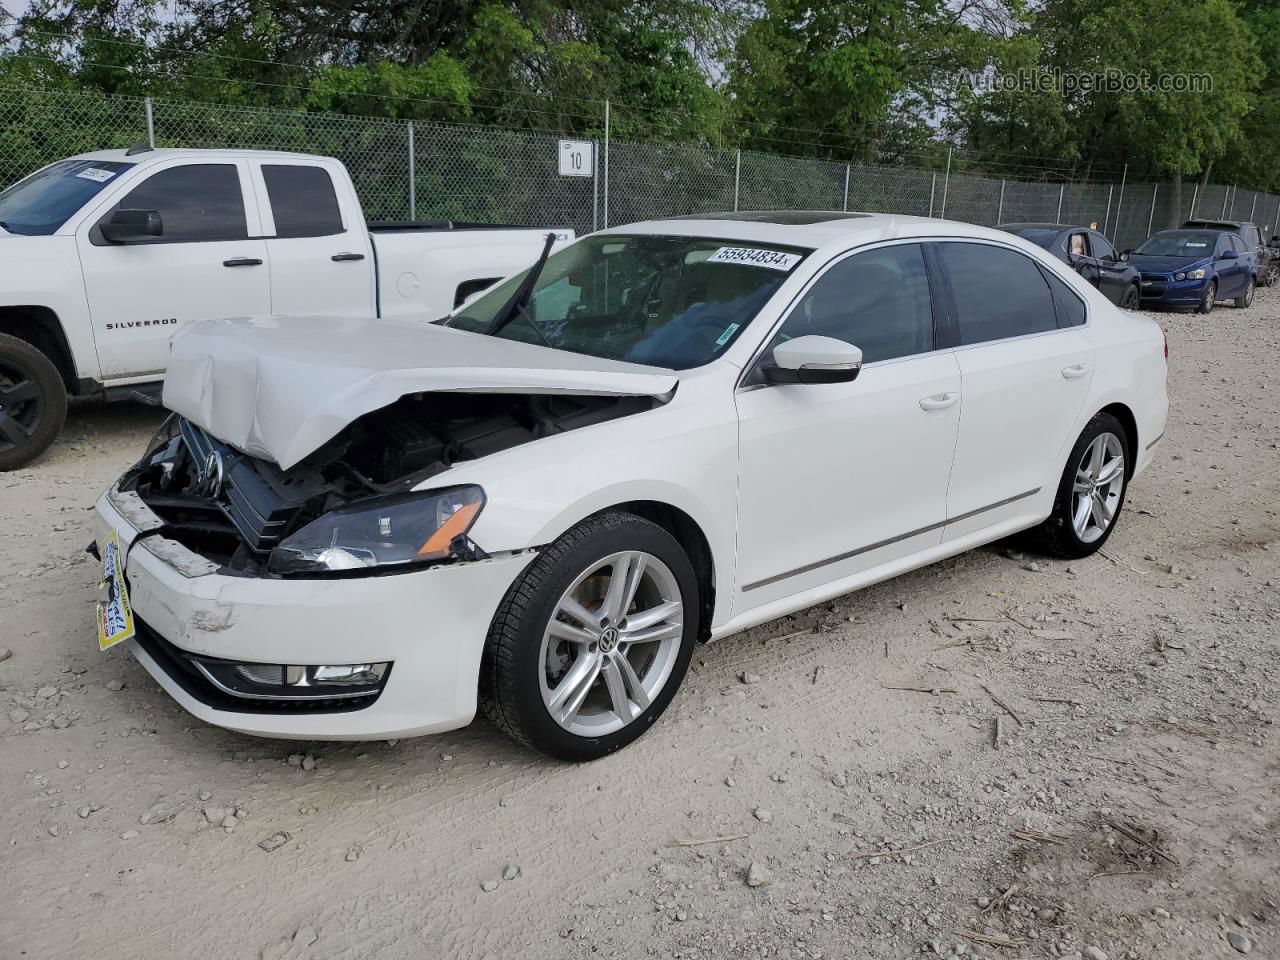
1166 344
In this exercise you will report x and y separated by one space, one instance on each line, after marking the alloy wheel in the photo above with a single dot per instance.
1272 276
20 404
611 644
1099 482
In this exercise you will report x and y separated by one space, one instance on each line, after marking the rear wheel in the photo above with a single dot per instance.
1210 297
591 643
33 402
1091 491
1272 275
1132 298
1246 298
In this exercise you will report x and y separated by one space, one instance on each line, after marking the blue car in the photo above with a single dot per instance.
1195 269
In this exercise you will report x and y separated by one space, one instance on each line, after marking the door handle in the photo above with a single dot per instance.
242 262
344 257
1075 371
940 401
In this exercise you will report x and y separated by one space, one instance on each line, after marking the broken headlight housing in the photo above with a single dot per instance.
386 532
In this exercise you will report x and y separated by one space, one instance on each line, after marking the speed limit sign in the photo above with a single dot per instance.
577 158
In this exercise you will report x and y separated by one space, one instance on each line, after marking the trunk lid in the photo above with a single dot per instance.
280 387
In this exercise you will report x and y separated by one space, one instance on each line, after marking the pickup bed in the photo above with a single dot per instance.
106 254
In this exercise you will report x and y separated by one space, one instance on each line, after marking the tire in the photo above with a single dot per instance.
1246 299
1272 275
33 402
1209 299
1061 535
527 671
1132 298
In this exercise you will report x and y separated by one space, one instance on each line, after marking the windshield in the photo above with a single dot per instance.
675 302
40 204
1179 243
1037 235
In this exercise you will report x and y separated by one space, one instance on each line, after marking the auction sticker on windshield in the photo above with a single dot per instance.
95 174
115 615
748 256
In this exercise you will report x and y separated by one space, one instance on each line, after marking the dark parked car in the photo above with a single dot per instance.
1196 268
1253 237
1090 253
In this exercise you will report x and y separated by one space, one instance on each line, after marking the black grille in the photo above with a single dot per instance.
259 504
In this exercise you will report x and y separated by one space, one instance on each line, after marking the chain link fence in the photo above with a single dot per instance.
441 171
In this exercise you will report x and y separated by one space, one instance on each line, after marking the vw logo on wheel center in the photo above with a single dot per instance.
609 639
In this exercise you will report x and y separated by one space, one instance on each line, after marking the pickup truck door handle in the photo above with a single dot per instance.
940 401
242 262
343 257
1075 371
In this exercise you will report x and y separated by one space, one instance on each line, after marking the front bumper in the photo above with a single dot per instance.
1173 293
431 624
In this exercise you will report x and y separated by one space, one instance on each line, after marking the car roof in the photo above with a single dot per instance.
143 153
813 230
1039 226
1218 224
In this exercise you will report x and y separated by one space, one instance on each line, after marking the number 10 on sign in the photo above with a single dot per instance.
577 158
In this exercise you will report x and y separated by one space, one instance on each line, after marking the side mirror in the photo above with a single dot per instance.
130 226
814 359
1124 254
1230 255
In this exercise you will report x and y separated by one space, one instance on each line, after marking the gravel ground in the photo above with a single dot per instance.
829 785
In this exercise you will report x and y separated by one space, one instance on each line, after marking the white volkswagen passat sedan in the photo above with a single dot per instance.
665 433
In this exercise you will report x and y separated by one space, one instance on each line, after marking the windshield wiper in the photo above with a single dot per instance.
519 301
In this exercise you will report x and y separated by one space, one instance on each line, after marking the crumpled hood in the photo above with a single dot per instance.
1167 264
280 387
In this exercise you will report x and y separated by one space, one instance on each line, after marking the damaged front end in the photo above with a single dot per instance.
349 507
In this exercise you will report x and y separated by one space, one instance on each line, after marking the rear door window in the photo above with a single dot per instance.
197 202
998 293
303 200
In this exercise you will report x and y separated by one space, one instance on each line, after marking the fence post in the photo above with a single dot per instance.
606 164
1106 223
933 188
1120 202
413 176
1253 209
1000 209
1225 197
845 207
1062 190
1195 195
946 186
1152 220
737 176
151 124
595 186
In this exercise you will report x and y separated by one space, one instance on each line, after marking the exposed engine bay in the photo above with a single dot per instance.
234 509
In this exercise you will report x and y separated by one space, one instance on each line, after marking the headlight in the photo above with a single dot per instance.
1195 274
385 532
163 438
1179 276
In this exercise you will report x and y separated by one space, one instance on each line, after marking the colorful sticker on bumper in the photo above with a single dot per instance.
115 614
752 257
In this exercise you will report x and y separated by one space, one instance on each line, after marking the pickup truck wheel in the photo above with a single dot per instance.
1246 298
33 402
1272 275
1090 493
592 641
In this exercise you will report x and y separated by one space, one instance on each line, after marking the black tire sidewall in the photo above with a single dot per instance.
1063 531
1210 298
1246 299
517 682
1133 296
53 408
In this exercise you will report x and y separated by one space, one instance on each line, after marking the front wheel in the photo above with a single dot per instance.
33 402
1091 492
1272 276
1210 297
1132 298
1246 298
591 643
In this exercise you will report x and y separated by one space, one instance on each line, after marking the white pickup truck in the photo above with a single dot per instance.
104 255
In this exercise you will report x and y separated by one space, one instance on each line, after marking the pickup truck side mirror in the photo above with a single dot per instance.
130 226
814 359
